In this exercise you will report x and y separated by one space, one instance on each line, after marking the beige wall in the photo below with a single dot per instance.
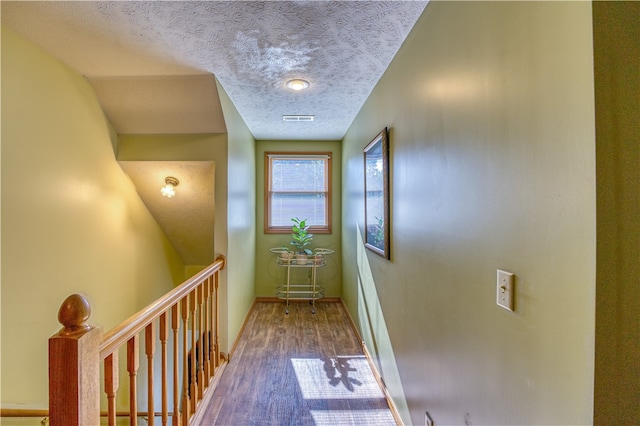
268 274
491 115
617 89
71 219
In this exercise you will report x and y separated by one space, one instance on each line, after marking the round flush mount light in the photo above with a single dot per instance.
297 84
169 189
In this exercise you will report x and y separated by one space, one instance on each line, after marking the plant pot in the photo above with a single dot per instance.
302 259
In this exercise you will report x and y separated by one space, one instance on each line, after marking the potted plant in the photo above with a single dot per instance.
319 255
301 238
284 254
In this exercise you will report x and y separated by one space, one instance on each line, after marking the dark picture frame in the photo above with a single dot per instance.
376 195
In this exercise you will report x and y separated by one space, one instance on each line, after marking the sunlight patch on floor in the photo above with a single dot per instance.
341 377
355 417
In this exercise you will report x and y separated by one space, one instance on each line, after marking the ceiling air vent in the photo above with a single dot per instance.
298 117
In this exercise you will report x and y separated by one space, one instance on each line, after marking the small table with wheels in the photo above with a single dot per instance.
309 290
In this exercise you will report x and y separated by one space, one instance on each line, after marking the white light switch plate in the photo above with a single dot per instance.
505 289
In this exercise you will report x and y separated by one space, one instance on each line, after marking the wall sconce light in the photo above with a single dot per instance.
169 189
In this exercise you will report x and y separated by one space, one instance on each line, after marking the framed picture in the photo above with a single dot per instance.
376 198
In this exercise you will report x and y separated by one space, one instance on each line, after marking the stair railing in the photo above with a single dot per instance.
186 318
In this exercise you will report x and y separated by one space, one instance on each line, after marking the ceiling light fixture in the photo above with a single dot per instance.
297 84
169 189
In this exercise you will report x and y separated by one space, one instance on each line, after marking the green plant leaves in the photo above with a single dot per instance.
300 235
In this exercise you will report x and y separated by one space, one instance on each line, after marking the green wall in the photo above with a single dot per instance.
234 196
268 274
215 148
71 219
490 107
617 90
238 205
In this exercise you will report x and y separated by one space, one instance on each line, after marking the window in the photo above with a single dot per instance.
297 185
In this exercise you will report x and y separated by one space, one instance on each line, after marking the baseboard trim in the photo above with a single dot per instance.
244 324
278 300
374 369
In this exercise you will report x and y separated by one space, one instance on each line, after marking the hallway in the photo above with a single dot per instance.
298 369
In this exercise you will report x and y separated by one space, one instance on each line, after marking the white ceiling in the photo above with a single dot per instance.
253 48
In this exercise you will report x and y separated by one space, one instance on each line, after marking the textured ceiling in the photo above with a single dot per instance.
151 64
253 48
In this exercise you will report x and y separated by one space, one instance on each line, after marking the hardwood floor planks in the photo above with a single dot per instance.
298 369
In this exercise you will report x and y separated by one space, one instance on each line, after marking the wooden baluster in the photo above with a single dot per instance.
133 363
175 324
185 364
150 350
74 366
194 367
200 351
206 357
164 335
111 385
216 351
212 319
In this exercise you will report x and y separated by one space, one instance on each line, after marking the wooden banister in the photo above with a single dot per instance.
23 412
75 354
119 335
33 412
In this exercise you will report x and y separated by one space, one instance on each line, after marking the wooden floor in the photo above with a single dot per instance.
298 369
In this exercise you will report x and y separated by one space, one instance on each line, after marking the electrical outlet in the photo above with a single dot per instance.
428 421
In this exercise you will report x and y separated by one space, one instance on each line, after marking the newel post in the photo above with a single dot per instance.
74 367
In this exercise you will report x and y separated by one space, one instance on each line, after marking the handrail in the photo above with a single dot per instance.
34 412
26 413
120 334
185 322
23 412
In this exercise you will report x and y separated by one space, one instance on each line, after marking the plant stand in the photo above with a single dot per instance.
292 291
